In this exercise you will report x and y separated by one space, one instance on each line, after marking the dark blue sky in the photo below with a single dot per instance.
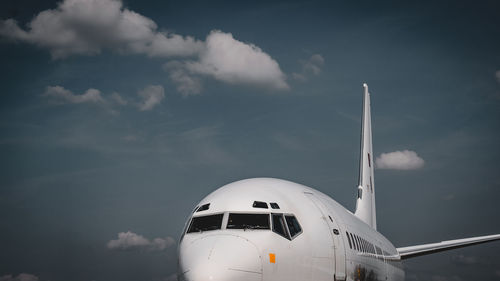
115 121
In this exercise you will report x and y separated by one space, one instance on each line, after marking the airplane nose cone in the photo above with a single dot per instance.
220 258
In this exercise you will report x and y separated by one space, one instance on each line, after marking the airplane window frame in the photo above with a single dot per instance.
207 215
285 227
246 213
288 228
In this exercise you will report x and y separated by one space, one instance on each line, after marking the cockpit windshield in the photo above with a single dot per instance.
248 221
205 223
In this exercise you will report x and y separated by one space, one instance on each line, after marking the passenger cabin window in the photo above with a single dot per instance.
259 204
348 239
248 221
293 225
279 226
203 207
205 223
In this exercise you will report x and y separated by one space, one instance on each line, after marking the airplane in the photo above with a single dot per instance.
266 229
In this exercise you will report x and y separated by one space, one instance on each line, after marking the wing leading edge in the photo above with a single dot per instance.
425 249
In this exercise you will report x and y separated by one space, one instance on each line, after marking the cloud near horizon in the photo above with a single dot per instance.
399 160
132 241
20 277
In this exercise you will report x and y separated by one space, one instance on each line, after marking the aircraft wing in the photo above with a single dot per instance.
425 249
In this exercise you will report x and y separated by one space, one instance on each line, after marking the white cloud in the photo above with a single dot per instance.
132 241
231 61
400 160
20 277
62 95
86 27
152 95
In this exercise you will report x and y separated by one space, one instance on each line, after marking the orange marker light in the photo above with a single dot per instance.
272 258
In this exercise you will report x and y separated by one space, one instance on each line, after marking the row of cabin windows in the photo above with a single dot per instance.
285 225
359 244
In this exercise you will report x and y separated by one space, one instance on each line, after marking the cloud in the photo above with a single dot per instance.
497 75
445 278
187 84
62 95
464 260
20 277
118 99
86 27
231 61
132 241
400 160
311 66
152 95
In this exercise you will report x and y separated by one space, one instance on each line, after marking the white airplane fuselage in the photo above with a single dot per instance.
333 244
266 229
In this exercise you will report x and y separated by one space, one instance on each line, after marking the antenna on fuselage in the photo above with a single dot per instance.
365 204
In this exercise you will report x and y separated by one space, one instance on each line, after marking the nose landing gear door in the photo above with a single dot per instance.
338 242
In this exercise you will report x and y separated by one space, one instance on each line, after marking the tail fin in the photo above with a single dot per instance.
365 204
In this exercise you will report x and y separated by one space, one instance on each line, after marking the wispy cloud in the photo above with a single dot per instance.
310 66
118 99
461 260
497 75
132 241
400 160
187 83
61 95
88 27
445 278
20 277
151 96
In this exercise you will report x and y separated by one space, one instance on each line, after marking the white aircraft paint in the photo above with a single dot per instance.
230 236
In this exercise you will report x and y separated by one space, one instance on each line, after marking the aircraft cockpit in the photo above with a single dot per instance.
283 224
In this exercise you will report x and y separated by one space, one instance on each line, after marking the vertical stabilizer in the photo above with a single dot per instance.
365 204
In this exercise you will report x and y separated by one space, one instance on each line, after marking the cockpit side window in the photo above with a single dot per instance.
293 225
205 223
248 221
279 226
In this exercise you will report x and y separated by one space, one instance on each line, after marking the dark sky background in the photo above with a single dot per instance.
77 169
